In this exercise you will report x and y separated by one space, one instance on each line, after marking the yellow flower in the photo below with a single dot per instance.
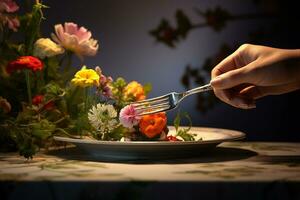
134 90
86 77
44 47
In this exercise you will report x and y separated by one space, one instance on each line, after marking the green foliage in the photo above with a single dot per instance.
27 148
29 132
147 88
35 125
118 133
183 132
178 120
59 108
74 98
117 89
82 125
186 136
42 129
52 89
118 86
32 28
51 71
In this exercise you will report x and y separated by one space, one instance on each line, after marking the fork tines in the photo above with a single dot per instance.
154 105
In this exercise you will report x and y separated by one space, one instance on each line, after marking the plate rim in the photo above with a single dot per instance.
240 135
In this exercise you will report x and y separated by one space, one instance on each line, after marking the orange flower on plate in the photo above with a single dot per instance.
154 124
135 90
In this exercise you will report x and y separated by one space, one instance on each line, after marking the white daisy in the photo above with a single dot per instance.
103 118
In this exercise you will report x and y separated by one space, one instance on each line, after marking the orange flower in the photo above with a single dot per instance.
136 90
25 62
152 125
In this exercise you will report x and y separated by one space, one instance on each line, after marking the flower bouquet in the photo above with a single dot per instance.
42 95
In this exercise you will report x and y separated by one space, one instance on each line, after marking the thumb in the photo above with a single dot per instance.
233 78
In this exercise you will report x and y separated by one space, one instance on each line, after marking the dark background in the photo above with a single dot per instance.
127 49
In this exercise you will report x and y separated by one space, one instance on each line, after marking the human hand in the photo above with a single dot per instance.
254 71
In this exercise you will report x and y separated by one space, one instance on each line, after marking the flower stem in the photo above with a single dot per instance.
45 72
27 77
69 55
61 119
86 99
67 68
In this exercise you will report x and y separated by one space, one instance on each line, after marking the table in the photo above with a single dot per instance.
248 170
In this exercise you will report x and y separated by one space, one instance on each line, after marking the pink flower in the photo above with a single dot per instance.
104 86
8 6
105 82
13 23
77 40
128 116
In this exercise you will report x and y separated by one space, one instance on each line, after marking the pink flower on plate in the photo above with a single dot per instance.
128 116
75 39
8 6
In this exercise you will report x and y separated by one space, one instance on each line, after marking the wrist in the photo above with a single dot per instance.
293 53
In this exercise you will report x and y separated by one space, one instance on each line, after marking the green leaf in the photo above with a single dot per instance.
184 131
53 89
177 121
33 27
25 116
120 82
147 88
186 115
185 135
52 69
118 133
178 118
117 89
28 149
74 99
42 129
82 124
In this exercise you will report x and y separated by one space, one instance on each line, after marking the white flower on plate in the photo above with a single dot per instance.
103 118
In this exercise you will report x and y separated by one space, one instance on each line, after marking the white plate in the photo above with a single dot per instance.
211 137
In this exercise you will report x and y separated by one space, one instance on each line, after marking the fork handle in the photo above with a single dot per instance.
203 88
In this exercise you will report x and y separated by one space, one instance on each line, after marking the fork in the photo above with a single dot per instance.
165 102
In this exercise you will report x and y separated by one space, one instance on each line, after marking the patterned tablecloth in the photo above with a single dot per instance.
250 170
